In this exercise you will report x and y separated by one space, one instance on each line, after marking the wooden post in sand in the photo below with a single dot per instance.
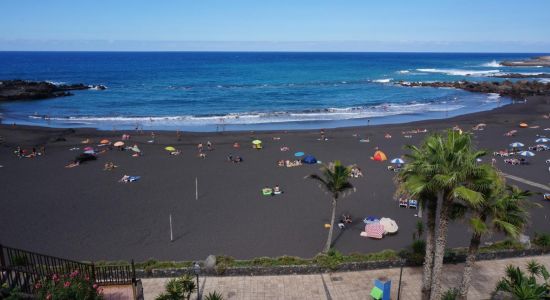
196 188
171 234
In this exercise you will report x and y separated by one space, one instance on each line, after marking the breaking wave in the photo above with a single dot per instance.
329 114
492 64
460 72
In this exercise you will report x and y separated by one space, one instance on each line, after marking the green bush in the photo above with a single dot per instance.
223 262
542 239
450 294
502 245
213 296
178 288
68 286
9 294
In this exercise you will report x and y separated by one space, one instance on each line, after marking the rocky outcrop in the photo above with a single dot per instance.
28 90
543 61
519 75
517 90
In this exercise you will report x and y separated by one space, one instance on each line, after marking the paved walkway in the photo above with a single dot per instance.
345 285
528 182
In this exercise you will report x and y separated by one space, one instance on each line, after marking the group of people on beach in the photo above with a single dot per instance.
22 153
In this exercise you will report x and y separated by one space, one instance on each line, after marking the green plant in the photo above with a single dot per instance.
213 296
9 294
19 260
542 239
450 294
68 286
335 181
332 259
223 262
178 288
525 287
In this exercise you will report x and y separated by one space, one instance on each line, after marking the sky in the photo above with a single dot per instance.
276 25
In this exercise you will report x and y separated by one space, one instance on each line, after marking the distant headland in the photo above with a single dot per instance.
11 90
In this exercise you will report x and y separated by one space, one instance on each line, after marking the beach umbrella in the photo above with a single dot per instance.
135 149
89 152
118 144
375 230
371 219
256 142
523 125
379 156
88 149
299 154
397 161
542 140
170 148
527 153
516 145
103 142
390 226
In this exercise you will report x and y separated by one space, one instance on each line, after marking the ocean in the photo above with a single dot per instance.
210 91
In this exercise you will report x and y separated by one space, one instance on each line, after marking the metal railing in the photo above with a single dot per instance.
22 269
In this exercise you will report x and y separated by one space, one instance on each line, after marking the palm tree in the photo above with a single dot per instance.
439 173
504 212
335 182
446 167
414 181
524 287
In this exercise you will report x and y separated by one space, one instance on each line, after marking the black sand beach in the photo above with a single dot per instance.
85 213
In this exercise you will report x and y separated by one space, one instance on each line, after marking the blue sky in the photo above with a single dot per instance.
291 25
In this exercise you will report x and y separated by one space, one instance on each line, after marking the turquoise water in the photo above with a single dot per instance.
201 91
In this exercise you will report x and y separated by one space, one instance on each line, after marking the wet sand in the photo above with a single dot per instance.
85 213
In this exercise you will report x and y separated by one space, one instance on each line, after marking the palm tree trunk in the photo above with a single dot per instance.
429 256
475 241
331 229
440 245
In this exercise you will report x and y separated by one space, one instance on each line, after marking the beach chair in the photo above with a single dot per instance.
403 203
413 204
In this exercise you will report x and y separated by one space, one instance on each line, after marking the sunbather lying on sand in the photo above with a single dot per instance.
109 166
73 164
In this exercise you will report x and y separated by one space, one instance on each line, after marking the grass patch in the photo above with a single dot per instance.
502 245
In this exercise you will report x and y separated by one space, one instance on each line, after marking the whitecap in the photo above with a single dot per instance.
492 64
460 72
403 72
384 80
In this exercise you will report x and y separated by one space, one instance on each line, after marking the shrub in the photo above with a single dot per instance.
72 286
450 294
213 296
223 262
9 294
542 239
178 288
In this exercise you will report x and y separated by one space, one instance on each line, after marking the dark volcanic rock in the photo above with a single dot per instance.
518 90
535 61
28 90
519 75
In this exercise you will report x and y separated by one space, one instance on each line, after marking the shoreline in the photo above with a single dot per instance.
466 117
124 221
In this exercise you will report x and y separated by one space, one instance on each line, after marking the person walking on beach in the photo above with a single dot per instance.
200 147
178 135
209 145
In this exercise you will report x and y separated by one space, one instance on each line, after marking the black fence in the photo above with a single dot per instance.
22 269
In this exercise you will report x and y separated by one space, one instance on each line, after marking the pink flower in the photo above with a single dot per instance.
95 286
55 277
49 296
37 285
67 284
74 274
87 278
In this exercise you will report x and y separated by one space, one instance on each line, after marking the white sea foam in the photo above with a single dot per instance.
403 72
492 97
544 80
384 80
55 82
330 114
492 64
460 72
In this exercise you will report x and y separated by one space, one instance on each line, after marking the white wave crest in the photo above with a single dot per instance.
460 72
329 114
403 72
384 80
55 82
492 64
